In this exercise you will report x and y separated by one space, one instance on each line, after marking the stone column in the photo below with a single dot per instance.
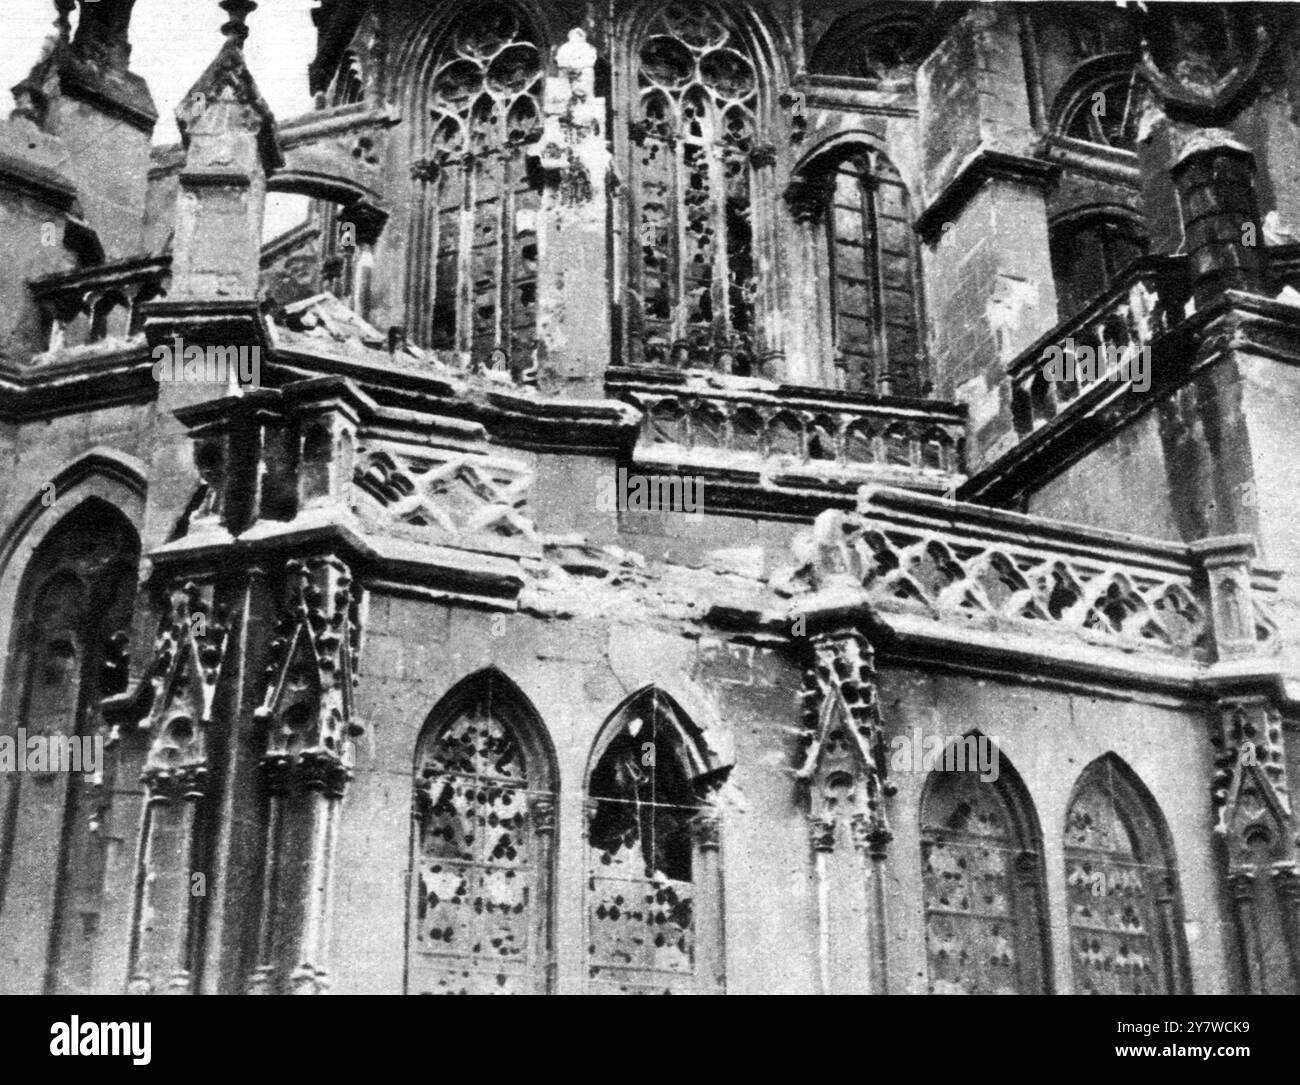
1257 831
172 883
709 924
846 770
1214 176
308 724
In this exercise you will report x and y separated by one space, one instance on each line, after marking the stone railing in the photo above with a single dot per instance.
1147 300
1007 573
1284 264
103 302
702 421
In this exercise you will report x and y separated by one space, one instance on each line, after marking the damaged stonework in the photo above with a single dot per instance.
416 709
174 704
913 555
308 723
846 771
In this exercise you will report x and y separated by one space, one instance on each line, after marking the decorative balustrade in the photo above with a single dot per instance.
1284 264
1109 334
102 302
1005 572
702 421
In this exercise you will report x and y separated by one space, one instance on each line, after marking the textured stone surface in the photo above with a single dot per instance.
443 654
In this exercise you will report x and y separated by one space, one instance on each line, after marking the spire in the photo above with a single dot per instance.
235 28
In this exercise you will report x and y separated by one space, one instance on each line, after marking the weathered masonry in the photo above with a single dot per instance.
394 700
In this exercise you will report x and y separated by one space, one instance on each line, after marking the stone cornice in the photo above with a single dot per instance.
102 375
857 96
38 182
981 166
464 574
513 416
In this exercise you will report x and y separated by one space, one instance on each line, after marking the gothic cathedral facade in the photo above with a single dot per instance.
360 559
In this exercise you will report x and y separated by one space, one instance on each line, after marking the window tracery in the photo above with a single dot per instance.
480 197
1121 890
484 822
982 889
694 277
650 835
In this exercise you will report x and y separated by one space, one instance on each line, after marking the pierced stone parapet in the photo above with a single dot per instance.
909 554
442 494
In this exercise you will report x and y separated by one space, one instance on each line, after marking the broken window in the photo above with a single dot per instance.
1088 254
484 824
982 886
1106 113
1122 890
875 277
74 605
479 197
693 275
647 875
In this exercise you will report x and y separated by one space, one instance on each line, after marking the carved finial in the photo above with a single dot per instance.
235 28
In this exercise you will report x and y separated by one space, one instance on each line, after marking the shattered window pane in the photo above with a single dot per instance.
693 270
72 609
641 888
1114 917
477 866
481 200
979 921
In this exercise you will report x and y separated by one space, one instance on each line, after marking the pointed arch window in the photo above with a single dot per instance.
1088 252
881 43
695 127
1105 112
76 598
1122 888
475 287
483 846
653 908
982 883
875 277
860 251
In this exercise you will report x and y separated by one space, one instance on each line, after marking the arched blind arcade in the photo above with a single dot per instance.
76 598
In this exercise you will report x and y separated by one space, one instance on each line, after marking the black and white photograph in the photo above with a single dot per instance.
602 497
